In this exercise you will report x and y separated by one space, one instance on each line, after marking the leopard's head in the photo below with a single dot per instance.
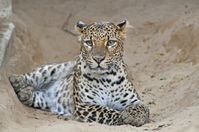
101 44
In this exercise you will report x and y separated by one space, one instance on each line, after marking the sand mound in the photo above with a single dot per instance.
161 50
186 42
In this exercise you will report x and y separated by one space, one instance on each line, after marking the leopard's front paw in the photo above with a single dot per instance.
136 115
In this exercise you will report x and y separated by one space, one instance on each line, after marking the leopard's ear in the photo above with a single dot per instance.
122 28
80 26
122 25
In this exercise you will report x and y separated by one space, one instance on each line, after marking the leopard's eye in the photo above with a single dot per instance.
88 44
111 43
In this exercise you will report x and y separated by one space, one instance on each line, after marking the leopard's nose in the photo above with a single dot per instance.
98 59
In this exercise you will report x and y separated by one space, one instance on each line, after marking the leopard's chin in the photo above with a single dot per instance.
99 70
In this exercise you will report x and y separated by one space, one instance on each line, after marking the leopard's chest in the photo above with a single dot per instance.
102 90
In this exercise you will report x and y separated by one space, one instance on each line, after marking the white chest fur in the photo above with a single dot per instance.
106 89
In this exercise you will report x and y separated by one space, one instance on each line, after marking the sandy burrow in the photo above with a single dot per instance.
161 51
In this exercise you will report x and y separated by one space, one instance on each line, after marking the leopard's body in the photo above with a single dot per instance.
93 88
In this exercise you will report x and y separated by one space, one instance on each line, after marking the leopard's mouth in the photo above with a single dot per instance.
99 69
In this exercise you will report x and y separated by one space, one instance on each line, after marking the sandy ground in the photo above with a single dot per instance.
162 50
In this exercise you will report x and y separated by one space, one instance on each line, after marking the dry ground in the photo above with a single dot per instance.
162 50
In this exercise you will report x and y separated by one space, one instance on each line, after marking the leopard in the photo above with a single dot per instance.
94 87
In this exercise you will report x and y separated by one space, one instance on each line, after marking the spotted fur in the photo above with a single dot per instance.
93 88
